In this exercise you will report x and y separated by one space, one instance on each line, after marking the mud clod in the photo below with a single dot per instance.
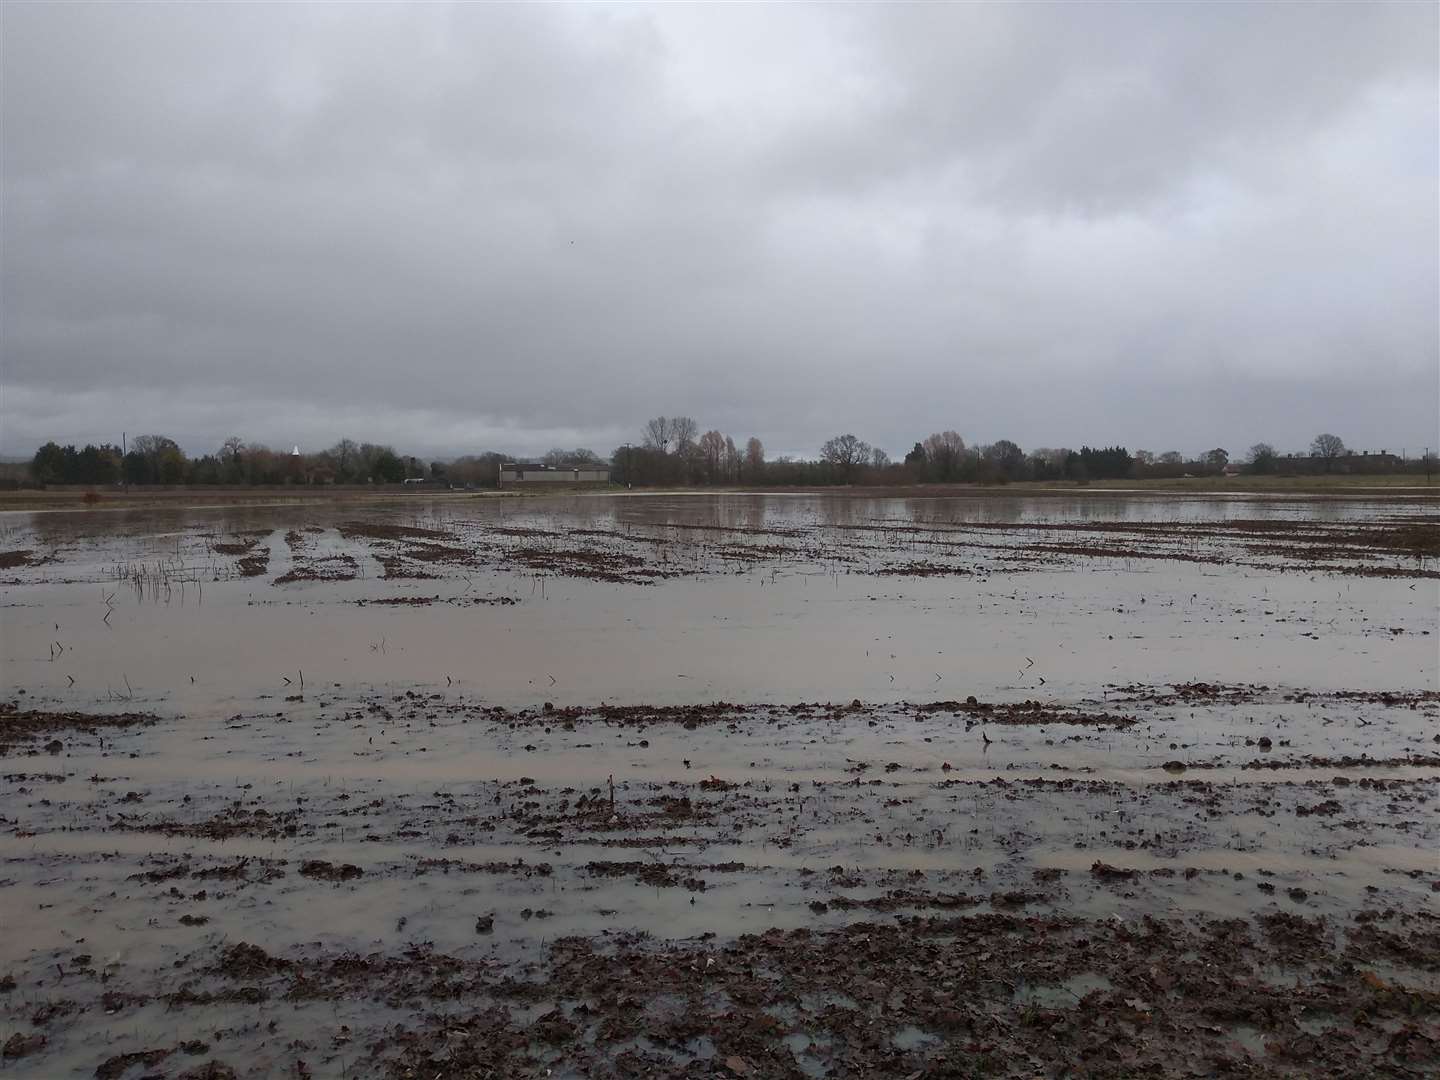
20 1045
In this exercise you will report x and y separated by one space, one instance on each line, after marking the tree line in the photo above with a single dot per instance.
159 459
673 451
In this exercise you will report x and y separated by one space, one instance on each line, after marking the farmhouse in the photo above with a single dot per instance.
534 473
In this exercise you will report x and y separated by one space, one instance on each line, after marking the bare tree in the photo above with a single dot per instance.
712 454
230 451
731 464
476 469
1171 457
683 431
754 459
1262 458
579 456
845 452
1327 447
164 461
944 451
879 459
152 444
1048 462
345 454
657 434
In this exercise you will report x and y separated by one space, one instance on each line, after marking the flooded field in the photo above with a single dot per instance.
722 785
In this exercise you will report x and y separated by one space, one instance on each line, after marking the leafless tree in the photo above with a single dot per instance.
731 466
476 469
151 445
580 456
944 451
845 453
164 460
658 434
1327 447
1262 458
945 441
1171 457
712 454
671 434
879 459
754 459
683 431
1006 457
345 456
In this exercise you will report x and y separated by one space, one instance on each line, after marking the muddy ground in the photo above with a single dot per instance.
770 788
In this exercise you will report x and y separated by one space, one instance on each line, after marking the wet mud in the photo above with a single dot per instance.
947 847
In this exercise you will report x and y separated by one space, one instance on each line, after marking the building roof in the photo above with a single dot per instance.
538 466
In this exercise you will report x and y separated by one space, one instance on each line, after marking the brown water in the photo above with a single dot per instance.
306 721
811 622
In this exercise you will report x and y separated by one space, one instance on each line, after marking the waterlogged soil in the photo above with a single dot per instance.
778 814
646 540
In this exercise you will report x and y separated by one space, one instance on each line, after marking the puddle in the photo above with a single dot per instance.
1062 995
1251 1039
911 1038
805 1048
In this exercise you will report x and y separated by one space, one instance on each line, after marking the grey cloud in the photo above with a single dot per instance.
475 226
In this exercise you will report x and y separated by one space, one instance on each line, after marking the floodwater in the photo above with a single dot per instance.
779 603
1110 709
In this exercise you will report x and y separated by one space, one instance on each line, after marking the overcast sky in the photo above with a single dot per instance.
475 227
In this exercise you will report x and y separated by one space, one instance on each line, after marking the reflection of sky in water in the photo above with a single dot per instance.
804 627
738 510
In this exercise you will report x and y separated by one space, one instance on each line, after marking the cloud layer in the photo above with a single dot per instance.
472 227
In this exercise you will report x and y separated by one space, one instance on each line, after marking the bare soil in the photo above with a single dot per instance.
807 788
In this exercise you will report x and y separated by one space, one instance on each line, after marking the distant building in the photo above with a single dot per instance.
1352 461
537 473
1368 461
